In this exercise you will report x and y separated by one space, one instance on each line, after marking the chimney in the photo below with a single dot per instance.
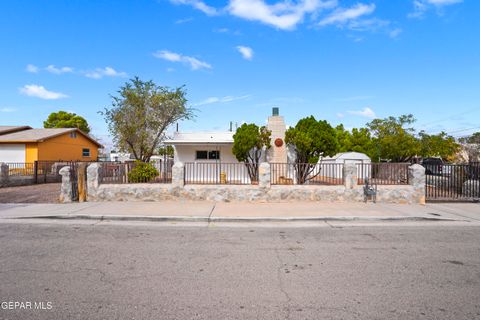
276 124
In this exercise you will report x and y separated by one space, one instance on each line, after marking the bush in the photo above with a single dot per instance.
142 172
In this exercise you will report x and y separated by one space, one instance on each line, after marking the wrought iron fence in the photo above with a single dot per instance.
306 173
455 182
118 173
383 173
16 169
39 171
220 173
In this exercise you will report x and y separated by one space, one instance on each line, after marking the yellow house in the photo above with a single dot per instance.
24 144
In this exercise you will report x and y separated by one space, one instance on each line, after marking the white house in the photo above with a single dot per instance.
209 154
208 157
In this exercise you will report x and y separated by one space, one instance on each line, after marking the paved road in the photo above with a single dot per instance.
108 271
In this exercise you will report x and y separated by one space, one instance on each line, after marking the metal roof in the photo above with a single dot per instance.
201 138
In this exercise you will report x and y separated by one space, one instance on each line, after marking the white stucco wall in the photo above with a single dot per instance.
12 152
208 171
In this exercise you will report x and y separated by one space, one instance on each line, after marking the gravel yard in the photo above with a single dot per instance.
38 193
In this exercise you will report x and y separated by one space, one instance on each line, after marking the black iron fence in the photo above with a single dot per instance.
383 173
136 172
459 182
38 171
220 173
306 173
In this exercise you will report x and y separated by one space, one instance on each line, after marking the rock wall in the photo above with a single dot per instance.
264 192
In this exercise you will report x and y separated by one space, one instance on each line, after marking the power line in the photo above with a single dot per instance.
450 117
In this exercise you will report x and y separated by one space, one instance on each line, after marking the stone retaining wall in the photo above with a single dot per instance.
264 192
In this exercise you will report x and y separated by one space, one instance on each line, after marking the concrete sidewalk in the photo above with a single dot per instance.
205 211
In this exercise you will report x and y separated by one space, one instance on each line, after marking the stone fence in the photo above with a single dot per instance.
414 192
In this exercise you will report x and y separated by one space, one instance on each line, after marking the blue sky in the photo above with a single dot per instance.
343 61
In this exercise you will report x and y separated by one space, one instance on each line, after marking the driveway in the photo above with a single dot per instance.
38 193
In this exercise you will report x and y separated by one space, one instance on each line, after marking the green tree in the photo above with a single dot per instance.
438 145
249 142
344 138
166 150
359 140
63 119
140 115
310 139
394 138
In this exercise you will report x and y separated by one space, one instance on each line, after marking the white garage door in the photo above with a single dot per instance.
12 153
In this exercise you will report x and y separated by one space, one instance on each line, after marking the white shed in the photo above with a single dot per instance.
347 157
357 158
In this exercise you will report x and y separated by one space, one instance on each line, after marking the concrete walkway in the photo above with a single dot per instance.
210 211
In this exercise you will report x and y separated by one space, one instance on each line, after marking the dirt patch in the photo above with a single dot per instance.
39 193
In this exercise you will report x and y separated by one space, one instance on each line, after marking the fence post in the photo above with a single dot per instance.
416 178
350 175
3 174
35 170
264 173
66 193
93 179
178 175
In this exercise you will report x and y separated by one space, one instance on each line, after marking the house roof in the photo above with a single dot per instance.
10 129
193 138
40 135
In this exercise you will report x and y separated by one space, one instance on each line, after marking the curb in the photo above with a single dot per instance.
230 219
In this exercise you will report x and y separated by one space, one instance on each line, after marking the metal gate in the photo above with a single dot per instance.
460 182
74 180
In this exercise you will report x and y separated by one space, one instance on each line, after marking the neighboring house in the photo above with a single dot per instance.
120 156
24 144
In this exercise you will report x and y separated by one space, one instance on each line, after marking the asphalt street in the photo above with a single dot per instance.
123 271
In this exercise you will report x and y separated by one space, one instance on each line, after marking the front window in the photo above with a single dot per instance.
207 155
86 152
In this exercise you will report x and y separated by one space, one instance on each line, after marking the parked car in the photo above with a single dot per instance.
433 166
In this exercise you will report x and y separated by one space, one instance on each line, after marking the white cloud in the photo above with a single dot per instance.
199 5
395 33
33 90
422 6
340 115
246 52
7 110
31 68
104 72
182 21
225 99
343 15
194 63
366 112
283 14
52 69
